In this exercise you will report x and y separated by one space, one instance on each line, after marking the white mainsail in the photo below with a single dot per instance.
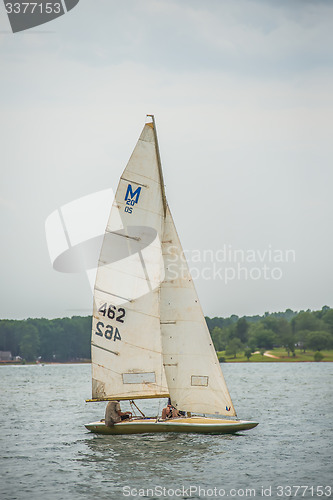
193 373
149 335
126 340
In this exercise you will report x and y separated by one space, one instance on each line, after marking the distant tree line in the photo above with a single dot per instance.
311 330
68 339
61 339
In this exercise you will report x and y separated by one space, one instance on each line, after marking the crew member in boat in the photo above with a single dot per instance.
170 411
113 414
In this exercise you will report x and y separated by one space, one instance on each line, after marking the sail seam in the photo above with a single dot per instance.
141 175
123 235
143 348
131 274
137 312
104 349
138 209
135 182
112 294
129 344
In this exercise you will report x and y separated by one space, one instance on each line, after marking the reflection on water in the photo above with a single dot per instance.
153 451
147 461
47 453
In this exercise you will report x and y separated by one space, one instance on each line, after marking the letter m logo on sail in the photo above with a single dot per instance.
131 197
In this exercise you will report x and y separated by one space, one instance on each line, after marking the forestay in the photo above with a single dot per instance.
126 340
193 373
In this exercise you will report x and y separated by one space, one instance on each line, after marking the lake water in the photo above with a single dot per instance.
46 452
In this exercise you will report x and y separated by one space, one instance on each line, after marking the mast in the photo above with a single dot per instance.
159 163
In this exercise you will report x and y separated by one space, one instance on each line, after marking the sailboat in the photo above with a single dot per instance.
149 334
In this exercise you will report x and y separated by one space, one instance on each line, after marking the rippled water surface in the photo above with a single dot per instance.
47 453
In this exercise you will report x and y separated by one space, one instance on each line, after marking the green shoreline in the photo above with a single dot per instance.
42 363
64 340
281 357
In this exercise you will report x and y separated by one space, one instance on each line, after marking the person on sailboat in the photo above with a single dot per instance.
113 414
166 412
169 411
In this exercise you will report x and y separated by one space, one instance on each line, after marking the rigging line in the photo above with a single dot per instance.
132 402
133 410
159 165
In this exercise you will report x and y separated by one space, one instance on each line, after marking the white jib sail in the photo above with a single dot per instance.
193 373
126 341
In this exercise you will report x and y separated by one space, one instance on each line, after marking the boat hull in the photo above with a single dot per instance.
200 425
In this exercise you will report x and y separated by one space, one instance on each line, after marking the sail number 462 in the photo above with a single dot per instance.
109 332
112 312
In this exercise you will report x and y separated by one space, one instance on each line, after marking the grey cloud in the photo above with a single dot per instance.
252 37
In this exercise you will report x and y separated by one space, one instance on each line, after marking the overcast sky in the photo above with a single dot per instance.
242 95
